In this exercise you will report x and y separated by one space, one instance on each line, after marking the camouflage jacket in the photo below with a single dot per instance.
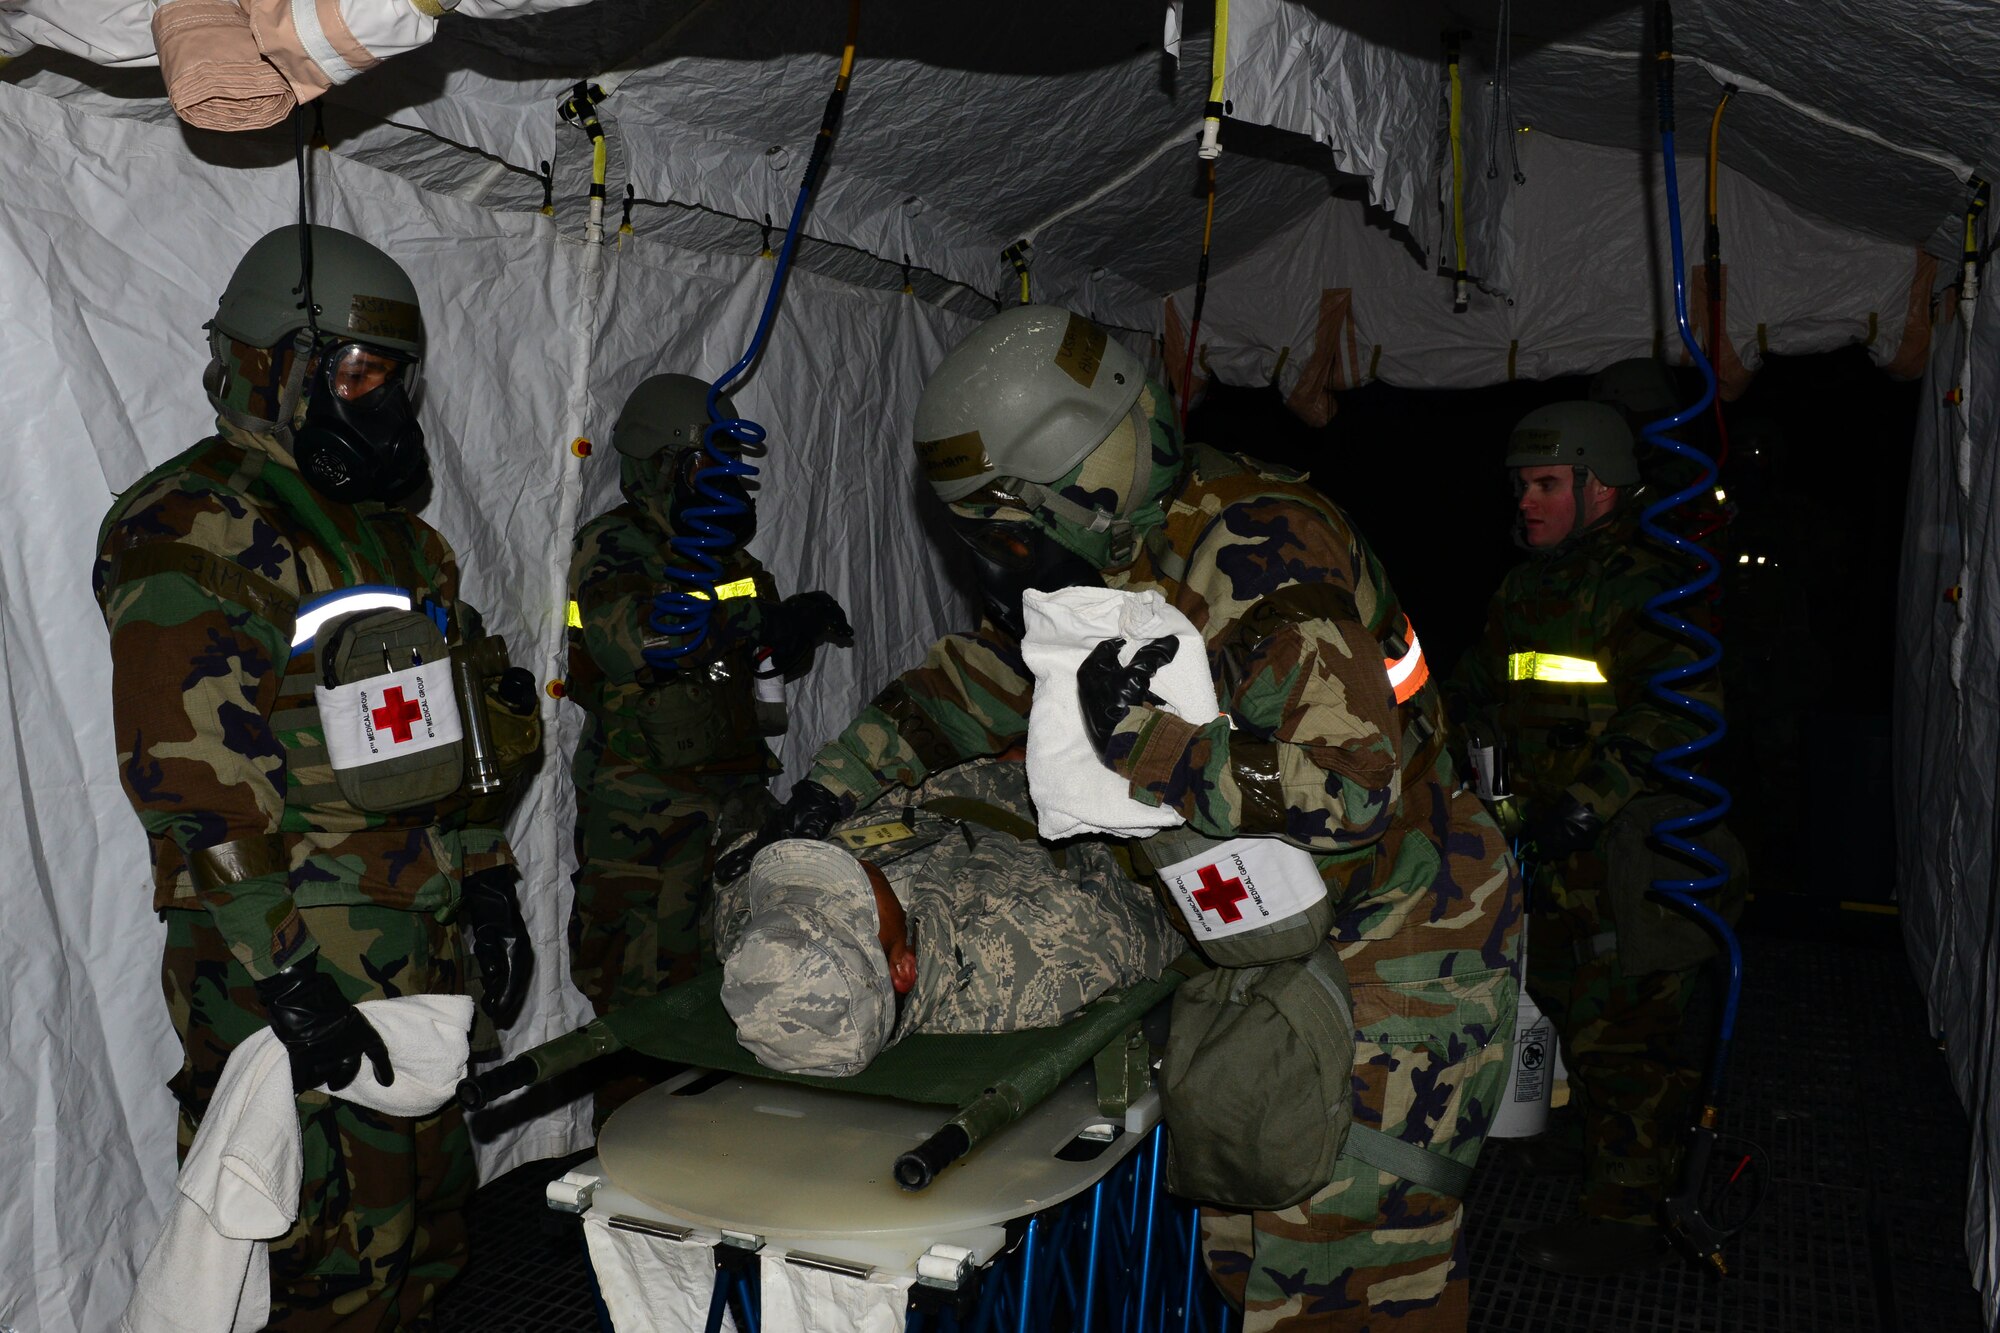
1010 932
639 715
1559 620
200 570
1301 624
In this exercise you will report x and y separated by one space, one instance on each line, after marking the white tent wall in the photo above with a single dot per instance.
1583 257
114 242
1947 739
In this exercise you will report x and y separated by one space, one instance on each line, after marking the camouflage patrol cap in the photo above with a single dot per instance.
807 983
1586 435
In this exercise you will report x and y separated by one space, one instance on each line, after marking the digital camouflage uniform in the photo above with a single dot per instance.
1298 616
258 861
648 807
1011 932
1622 1034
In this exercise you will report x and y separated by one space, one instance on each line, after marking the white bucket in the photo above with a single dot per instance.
1524 1110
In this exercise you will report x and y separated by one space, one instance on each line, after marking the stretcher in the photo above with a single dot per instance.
1036 1203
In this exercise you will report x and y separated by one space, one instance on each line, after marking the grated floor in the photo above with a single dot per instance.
1834 1079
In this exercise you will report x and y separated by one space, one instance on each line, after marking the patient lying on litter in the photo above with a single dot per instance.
944 916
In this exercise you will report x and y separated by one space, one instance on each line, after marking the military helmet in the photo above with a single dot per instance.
1028 394
1586 435
666 413
362 294
1642 387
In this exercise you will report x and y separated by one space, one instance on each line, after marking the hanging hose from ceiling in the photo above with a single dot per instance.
1688 1220
1461 291
683 613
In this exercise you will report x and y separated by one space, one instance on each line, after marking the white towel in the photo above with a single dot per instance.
210 1270
811 1300
1074 792
652 1285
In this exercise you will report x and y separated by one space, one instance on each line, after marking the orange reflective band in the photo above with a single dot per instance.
1408 673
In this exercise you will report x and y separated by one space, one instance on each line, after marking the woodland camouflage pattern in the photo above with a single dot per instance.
219 741
1622 1038
1296 612
645 829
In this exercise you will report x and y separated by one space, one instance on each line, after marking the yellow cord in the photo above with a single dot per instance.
853 31
1208 223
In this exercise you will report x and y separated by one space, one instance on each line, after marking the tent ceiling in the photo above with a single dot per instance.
971 126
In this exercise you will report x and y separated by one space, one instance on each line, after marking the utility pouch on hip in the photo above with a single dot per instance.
1653 935
1246 901
394 735
696 716
1257 1082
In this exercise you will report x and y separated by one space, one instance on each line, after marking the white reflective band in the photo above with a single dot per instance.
404 712
312 36
1408 673
1242 884
319 610
575 617
1553 667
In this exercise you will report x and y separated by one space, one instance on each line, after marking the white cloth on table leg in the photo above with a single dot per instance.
210 1270
1072 789
651 1284
812 1300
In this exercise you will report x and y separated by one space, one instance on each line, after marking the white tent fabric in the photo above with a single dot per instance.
113 245
1581 256
1947 739
969 128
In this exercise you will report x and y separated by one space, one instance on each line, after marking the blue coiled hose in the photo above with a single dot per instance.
1671 763
684 615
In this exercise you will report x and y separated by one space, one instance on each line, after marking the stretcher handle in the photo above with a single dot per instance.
988 1113
539 1064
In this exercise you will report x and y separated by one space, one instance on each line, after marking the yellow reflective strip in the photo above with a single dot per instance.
575 617
1553 667
739 588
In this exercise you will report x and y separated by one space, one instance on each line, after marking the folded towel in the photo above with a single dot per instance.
210 1270
652 1285
216 78
1074 792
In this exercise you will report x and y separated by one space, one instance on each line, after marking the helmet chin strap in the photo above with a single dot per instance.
1118 522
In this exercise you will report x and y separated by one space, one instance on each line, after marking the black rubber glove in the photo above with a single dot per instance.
810 811
1561 828
499 940
325 1035
1107 689
801 623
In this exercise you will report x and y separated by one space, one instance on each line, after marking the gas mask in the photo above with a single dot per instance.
1011 556
692 490
360 439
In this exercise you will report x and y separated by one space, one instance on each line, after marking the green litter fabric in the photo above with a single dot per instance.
688 1025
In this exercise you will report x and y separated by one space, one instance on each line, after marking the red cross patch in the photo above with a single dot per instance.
1219 895
397 714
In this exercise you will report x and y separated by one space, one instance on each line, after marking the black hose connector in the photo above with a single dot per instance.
1687 1227
485 1088
917 1168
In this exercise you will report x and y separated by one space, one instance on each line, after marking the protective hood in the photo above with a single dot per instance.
1105 505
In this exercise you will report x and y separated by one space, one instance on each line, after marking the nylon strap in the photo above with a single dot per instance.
969 810
1420 1166
214 574
229 863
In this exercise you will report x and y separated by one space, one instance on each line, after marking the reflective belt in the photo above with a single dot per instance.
724 591
1408 673
1553 667
316 611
